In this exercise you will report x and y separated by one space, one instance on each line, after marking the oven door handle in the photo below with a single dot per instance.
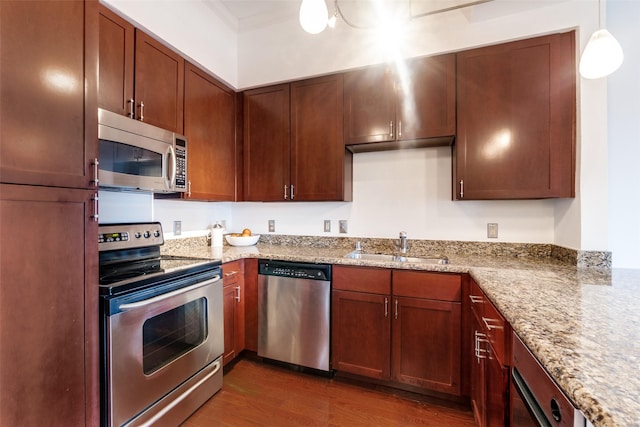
146 302
529 399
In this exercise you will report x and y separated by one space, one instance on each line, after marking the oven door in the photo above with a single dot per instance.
159 338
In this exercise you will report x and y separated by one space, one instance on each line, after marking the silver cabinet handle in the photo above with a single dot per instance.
292 193
189 188
391 129
132 108
231 273
95 164
396 314
462 189
399 128
95 215
285 192
168 295
489 326
475 299
386 307
479 351
238 293
141 118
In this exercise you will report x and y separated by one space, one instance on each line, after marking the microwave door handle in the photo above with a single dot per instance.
170 181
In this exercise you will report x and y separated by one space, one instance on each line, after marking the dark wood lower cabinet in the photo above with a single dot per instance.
426 344
233 306
361 334
397 338
48 307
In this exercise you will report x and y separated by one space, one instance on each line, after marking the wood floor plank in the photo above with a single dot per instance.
259 394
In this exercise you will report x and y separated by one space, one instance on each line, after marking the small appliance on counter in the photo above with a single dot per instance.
162 332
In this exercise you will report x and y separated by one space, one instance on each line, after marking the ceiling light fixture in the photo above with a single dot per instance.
313 16
603 54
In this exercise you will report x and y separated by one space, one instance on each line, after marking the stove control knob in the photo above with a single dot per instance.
156 233
147 234
138 235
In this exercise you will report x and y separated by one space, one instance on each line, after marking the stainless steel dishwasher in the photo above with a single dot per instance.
294 306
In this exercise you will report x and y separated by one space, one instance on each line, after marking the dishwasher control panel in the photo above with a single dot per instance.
295 270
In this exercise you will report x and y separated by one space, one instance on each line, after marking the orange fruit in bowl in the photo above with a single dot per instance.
246 232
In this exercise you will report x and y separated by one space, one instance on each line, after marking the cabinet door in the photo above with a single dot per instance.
115 91
251 304
209 125
159 83
517 120
426 344
369 106
477 358
48 68
48 307
317 144
233 306
266 144
427 106
497 385
360 334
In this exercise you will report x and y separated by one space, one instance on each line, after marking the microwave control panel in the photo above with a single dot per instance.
181 163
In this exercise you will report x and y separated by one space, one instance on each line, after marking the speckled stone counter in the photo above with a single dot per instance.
581 323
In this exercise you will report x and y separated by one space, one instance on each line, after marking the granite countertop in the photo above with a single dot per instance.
581 323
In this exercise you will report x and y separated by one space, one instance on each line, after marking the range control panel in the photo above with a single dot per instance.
129 236
294 270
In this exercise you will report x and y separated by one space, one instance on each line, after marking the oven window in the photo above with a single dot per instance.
172 334
130 160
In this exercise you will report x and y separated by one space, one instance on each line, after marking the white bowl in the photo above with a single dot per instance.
242 240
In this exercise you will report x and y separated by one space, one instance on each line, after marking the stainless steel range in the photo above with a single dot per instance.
162 335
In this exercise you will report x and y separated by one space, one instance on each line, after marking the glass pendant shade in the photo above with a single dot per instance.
313 16
602 56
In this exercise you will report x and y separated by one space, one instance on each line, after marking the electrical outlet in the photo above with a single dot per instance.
327 226
177 228
272 226
343 225
492 230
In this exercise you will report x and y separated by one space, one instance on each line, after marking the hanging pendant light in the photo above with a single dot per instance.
313 16
603 54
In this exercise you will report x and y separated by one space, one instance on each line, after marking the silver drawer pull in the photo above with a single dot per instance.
497 324
475 299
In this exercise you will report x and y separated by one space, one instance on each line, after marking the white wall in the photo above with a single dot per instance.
623 17
282 51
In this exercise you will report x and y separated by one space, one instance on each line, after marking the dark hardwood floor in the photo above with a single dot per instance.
255 393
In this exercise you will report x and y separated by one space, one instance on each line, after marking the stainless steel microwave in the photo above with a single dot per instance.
138 156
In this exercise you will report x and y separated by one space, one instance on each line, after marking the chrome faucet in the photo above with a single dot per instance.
403 244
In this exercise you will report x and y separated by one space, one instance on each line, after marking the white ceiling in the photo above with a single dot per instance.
246 13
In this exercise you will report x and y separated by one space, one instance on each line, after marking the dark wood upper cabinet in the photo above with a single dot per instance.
47 82
209 125
517 120
139 75
115 91
410 105
159 83
293 145
266 144
320 168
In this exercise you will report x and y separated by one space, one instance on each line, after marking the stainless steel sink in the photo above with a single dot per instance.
396 258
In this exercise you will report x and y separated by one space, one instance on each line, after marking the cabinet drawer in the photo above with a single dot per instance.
362 279
476 297
496 329
232 272
437 286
